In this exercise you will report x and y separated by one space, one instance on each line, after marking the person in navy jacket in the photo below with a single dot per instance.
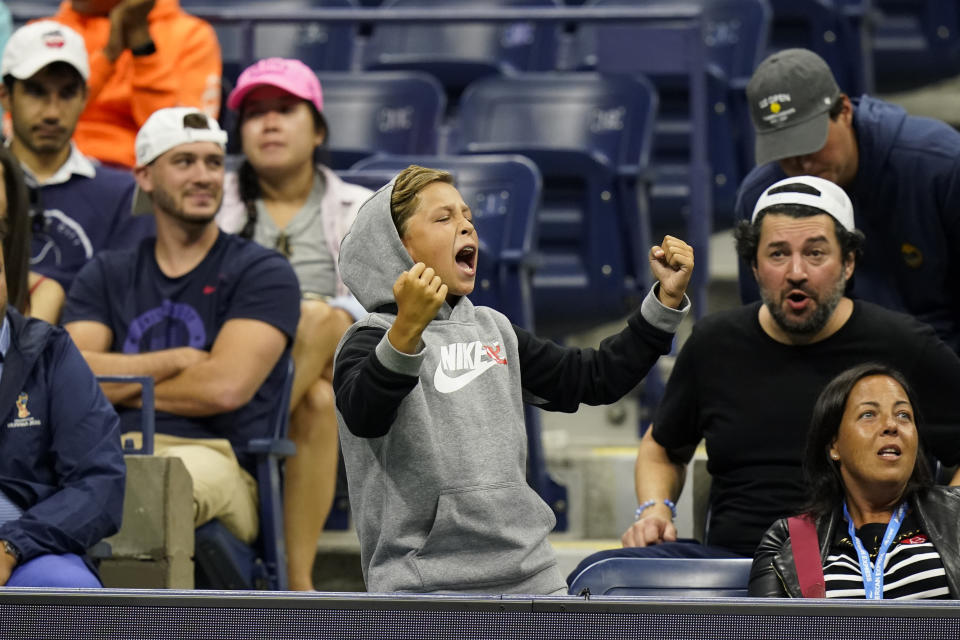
62 472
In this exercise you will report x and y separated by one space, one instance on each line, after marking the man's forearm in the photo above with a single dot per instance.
204 389
656 476
160 365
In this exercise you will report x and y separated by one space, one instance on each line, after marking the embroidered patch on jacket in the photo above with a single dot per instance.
24 418
912 256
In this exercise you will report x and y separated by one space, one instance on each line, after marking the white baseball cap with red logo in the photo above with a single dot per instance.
34 46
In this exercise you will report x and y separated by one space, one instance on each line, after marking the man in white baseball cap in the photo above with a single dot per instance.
78 207
747 379
209 315
164 130
902 172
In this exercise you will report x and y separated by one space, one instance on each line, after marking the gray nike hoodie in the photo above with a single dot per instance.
441 502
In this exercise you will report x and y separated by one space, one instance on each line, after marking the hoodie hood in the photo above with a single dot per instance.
372 256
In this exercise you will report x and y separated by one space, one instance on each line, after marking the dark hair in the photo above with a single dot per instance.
195 121
249 183
16 239
747 233
823 475
837 107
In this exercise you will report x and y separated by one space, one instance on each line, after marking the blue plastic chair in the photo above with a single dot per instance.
590 137
665 577
22 11
318 45
457 53
837 30
915 42
735 35
221 560
503 192
396 112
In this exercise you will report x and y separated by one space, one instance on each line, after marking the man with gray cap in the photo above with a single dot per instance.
209 315
747 378
901 172
77 206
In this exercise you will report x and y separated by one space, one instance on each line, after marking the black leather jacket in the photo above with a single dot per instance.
774 574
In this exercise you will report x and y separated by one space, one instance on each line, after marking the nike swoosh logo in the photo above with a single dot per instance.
446 384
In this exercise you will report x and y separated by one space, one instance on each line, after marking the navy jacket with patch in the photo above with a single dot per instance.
61 459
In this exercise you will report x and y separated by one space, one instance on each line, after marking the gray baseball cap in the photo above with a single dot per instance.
790 95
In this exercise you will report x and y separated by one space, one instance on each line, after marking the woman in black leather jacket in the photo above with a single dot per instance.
864 457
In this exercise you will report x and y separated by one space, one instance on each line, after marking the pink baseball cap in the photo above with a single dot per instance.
290 75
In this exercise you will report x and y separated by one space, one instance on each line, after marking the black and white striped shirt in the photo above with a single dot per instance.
913 568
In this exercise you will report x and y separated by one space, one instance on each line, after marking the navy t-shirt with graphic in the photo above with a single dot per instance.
148 311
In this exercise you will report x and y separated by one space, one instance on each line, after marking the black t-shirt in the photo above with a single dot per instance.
148 311
751 398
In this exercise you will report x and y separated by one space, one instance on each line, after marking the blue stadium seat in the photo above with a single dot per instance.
735 35
665 577
395 112
837 30
590 137
320 46
22 11
915 42
456 53
221 560
503 192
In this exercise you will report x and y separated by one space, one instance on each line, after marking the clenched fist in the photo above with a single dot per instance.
419 294
672 264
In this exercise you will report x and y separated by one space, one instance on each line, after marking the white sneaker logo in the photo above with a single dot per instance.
475 357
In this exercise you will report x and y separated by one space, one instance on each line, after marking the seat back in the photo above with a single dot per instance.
915 42
590 137
735 34
319 45
836 31
458 53
665 577
395 112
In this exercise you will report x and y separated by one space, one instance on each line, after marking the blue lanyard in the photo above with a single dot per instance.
873 574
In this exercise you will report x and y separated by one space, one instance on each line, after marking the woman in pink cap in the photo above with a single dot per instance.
282 198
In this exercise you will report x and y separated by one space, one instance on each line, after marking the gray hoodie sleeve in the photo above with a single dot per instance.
370 380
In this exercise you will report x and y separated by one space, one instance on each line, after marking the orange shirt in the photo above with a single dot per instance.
184 71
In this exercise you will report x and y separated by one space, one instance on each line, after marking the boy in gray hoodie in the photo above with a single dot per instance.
430 391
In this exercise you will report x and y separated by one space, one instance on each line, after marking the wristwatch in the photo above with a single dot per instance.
12 550
145 49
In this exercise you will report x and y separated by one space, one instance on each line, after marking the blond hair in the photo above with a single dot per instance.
406 191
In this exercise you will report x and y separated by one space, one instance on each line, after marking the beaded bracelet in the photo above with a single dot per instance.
649 503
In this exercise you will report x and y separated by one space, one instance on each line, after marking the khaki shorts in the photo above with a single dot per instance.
222 489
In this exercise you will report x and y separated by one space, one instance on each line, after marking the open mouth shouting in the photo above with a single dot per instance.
798 301
466 259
